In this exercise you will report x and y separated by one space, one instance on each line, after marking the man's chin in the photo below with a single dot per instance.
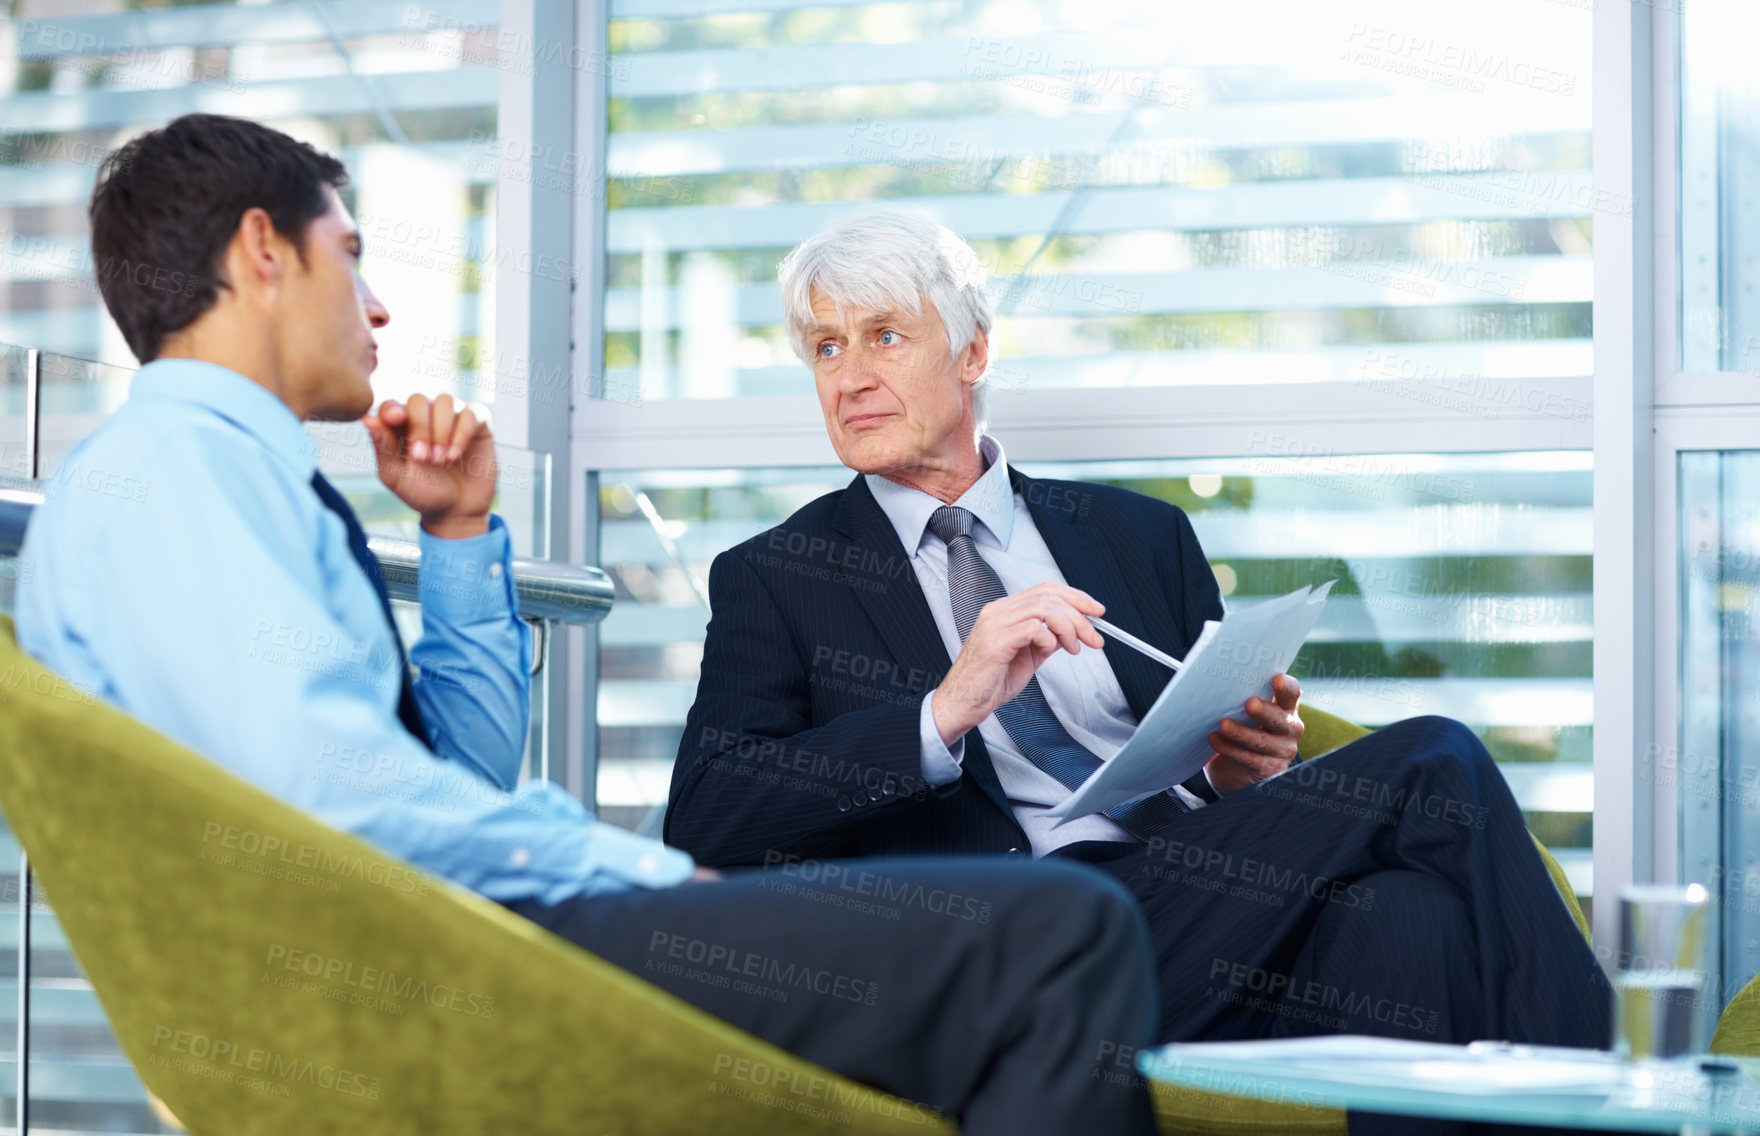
346 406
873 456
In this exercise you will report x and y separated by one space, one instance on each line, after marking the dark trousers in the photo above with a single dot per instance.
1387 888
1008 994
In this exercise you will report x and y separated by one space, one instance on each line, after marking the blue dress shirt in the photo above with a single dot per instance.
183 568
1081 688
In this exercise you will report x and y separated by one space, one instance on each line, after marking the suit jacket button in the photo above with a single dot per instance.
1014 851
843 804
859 797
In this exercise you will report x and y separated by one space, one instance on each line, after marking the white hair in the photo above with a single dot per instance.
888 258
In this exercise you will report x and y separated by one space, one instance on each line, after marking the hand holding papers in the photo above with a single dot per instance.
1233 660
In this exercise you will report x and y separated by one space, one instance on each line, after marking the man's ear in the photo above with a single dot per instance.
258 255
975 359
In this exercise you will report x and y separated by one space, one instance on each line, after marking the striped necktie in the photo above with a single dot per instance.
1028 717
407 712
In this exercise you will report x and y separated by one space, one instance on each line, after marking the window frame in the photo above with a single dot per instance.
1632 150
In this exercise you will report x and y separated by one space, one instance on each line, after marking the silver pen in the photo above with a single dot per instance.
1130 640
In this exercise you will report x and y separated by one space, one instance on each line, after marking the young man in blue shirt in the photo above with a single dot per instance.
234 606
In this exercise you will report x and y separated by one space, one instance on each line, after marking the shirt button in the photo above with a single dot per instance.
843 804
520 857
495 570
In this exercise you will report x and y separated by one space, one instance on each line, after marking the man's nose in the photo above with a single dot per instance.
377 314
858 372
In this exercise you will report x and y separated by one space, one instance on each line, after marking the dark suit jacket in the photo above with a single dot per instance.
804 740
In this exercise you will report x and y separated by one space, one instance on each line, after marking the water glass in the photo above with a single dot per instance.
1660 981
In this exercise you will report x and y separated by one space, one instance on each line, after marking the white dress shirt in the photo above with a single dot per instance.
1081 688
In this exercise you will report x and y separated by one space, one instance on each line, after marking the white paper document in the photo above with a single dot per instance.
1232 661
1477 1069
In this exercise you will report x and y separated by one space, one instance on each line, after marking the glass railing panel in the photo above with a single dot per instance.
75 395
658 534
9 936
14 460
346 457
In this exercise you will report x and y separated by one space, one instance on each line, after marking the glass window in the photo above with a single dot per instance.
1464 590
1163 194
405 94
1714 771
1719 151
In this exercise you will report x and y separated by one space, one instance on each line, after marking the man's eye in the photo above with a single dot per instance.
888 338
827 350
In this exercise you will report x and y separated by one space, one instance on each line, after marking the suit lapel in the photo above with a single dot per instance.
1087 563
901 613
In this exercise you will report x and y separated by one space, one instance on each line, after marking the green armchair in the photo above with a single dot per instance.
266 973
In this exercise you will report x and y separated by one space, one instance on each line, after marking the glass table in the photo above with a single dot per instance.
1485 1081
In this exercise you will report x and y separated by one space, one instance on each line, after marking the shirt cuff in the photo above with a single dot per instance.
632 861
465 578
941 764
1198 788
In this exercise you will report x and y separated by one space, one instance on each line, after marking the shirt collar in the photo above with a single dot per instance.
247 404
990 499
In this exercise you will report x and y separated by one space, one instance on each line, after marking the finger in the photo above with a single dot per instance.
1016 610
381 436
417 434
1030 628
1260 764
442 413
464 428
1072 627
1074 597
1280 746
1243 737
1287 691
1078 620
1248 738
1002 642
1065 622
1272 718
387 426
484 416
378 433
1048 605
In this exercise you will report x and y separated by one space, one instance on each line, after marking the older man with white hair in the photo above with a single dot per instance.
906 666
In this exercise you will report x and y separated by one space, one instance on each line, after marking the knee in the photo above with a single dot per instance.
1431 738
1090 900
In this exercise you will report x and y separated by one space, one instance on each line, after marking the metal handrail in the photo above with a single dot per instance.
567 593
